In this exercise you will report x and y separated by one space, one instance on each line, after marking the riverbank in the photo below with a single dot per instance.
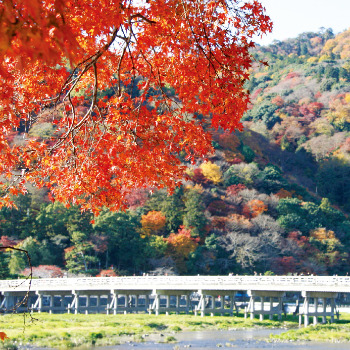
68 330
335 332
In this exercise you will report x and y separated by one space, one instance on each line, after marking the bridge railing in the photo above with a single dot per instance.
175 282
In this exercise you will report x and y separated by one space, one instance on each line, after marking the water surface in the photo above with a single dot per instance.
252 339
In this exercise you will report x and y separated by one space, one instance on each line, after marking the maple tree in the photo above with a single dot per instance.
153 222
182 243
180 246
57 56
198 177
44 271
254 208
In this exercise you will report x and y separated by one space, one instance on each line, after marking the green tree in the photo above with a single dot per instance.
55 225
332 72
194 217
4 265
156 247
172 207
52 220
271 180
19 220
125 246
292 216
333 182
18 262
247 152
80 257
247 174
266 112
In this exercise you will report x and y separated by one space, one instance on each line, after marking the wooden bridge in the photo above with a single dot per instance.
198 294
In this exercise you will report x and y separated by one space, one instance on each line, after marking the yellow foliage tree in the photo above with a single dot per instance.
340 45
212 172
347 98
312 60
339 112
322 234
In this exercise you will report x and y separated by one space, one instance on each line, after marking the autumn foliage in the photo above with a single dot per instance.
211 172
182 243
254 208
56 56
107 273
153 222
44 271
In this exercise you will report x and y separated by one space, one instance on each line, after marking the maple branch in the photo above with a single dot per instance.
139 15
127 41
90 62
195 37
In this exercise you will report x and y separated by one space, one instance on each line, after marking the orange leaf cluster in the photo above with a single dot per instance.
107 273
233 190
233 157
254 208
153 222
282 193
182 243
3 336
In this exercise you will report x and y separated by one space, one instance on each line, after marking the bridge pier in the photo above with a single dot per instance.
8 302
129 297
315 313
271 310
207 302
157 306
16 301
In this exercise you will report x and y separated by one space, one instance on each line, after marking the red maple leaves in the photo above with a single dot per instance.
123 82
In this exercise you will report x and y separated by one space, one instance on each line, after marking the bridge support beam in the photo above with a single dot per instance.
131 301
173 301
208 302
312 310
264 309
8 302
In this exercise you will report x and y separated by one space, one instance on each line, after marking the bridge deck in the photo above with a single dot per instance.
185 283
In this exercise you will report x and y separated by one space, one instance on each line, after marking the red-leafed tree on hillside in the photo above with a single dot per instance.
59 55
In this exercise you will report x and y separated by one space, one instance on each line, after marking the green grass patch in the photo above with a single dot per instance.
335 332
67 331
170 339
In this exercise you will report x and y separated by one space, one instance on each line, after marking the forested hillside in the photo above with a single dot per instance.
273 198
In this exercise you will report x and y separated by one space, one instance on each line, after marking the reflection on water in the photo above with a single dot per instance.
238 339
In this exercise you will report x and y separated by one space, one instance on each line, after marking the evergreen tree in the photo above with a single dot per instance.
4 265
125 246
172 207
194 217
80 257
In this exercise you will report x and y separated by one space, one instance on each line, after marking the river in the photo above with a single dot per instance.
252 339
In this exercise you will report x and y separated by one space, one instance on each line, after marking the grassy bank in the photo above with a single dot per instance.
335 332
67 330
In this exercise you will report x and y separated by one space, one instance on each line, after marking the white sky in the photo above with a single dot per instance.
293 17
